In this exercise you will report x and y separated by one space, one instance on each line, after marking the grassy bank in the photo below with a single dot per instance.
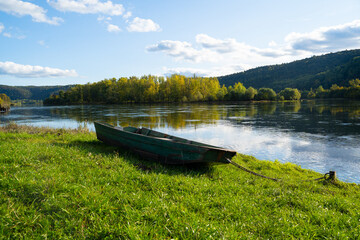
57 183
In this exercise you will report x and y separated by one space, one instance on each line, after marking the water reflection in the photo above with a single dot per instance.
320 135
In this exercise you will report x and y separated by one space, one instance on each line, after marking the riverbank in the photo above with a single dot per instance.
59 183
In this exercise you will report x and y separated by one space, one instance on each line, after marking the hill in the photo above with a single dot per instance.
333 68
31 92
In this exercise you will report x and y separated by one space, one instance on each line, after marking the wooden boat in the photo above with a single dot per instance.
161 147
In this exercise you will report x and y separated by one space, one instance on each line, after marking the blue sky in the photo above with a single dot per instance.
59 42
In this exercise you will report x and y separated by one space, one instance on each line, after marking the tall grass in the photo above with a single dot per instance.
57 183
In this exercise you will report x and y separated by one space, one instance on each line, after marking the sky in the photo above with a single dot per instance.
60 42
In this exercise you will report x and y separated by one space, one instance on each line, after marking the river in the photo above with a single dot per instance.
321 135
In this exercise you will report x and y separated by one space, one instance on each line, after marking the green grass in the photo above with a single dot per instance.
57 183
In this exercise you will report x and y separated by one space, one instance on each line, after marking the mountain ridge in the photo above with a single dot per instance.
32 92
326 70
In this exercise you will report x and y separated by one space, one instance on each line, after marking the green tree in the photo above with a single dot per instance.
266 94
290 94
237 92
311 94
4 101
250 93
221 93
321 92
354 82
334 87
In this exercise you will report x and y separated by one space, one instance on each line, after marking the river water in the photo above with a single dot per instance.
319 135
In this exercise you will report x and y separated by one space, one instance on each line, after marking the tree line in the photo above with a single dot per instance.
335 91
175 88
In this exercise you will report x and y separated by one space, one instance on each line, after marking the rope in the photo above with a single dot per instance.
316 179
249 171
274 179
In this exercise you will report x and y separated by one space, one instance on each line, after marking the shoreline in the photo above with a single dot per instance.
207 102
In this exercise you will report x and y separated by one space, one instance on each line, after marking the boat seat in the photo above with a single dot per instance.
145 131
131 129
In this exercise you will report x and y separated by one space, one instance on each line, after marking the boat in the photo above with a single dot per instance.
161 147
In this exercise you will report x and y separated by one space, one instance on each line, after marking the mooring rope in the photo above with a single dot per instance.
249 171
316 179
274 179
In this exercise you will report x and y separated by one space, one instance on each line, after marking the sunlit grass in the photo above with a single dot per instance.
57 183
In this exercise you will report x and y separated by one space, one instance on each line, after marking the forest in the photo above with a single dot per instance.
325 70
31 92
178 88
335 91
152 89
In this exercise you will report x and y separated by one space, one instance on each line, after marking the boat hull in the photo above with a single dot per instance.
163 148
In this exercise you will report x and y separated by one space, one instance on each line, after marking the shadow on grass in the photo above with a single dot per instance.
143 164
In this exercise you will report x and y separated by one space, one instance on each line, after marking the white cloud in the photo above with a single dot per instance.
88 7
42 43
8 35
127 15
12 32
272 52
218 45
143 25
326 39
231 53
209 49
29 71
188 72
232 47
1 27
182 51
113 28
21 8
272 44
219 56
106 8
15 35
103 19
201 72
